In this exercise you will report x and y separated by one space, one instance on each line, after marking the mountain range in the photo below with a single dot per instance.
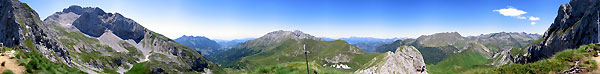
79 40
94 41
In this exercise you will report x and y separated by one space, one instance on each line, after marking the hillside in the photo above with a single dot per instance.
24 34
332 54
583 60
99 42
453 53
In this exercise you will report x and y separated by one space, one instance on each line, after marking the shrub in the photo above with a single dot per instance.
7 71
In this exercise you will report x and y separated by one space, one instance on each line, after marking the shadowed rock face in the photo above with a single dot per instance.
9 28
576 24
94 22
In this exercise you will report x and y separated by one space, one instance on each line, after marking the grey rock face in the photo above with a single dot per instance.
20 27
576 24
94 22
406 60
9 30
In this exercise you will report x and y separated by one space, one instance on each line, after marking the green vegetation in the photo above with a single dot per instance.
559 62
460 62
378 59
7 71
110 71
256 58
38 64
291 51
517 51
139 68
27 6
536 42
23 25
294 68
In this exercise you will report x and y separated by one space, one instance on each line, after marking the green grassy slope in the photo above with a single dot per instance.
460 62
291 51
37 64
559 62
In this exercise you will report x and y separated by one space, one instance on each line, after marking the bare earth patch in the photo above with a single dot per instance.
11 64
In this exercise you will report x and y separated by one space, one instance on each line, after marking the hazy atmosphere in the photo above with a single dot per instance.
230 19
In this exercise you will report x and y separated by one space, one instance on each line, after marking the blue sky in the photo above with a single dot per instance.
235 19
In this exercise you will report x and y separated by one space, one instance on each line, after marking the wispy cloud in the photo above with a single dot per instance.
512 12
532 18
532 23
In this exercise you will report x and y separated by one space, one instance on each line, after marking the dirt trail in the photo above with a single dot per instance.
597 70
11 64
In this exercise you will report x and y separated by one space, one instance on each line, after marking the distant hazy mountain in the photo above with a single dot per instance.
368 44
200 43
234 42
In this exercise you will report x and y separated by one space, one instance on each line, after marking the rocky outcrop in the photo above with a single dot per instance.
406 60
576 24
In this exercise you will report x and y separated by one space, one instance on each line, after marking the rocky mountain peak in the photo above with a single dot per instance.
198 42
296 34
80 10
576 24
279 36
93 21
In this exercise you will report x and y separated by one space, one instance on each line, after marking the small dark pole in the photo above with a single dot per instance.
306 58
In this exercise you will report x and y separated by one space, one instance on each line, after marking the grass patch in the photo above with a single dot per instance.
460 62
38 64
517 51
139 68
8 71
294 68
560 61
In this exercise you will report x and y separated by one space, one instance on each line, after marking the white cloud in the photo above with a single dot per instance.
533 23
510 11
534 18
